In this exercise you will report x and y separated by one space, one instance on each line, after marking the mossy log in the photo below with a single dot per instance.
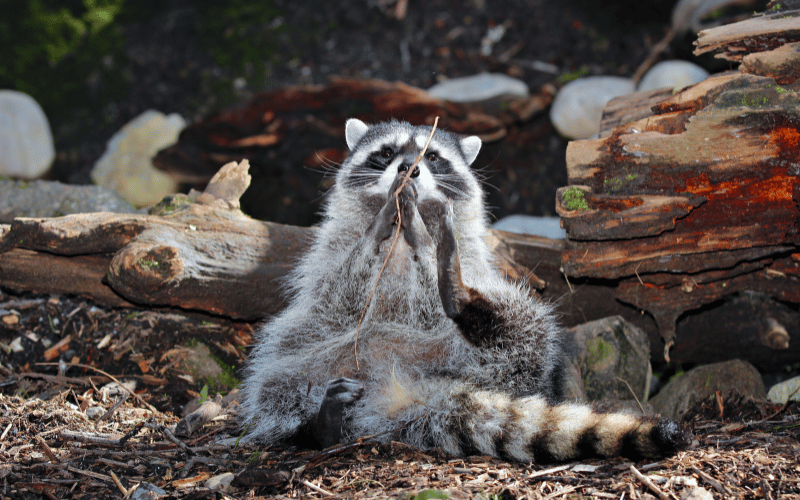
691 201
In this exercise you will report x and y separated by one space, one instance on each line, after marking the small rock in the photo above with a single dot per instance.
672 74
578 107
113 389
26 143
612 357
703 381
147 491
221 482
95 412
548 227
481 87
53 199
16 345
780 393
126 165
697 493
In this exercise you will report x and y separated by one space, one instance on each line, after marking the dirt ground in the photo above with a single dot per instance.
64 433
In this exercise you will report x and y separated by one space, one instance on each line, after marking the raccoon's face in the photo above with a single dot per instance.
378 153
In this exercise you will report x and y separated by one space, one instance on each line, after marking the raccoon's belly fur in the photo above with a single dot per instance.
449 354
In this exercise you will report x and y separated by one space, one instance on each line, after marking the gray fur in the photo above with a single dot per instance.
469 392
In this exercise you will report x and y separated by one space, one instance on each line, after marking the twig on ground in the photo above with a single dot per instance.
315 487
121 488
170 436
111 410
650 484
46 449
113 379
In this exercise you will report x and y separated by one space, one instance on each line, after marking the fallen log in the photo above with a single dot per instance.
688 204
202 255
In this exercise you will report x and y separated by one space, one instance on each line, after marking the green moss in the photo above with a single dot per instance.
573 75
575 199
601 354
754 100
147 263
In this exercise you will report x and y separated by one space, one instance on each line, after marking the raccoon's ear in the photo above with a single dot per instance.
354 130
471 146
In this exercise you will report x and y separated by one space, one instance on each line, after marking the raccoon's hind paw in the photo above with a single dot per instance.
343 391
326 428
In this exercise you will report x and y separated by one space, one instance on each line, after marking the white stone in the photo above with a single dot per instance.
26 143
221 482
126 165
479 88
578 106
16 345
780 393
549 227
672 74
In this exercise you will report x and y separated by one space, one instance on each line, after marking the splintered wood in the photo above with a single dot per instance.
694 197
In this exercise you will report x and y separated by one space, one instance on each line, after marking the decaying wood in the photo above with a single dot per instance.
757 34
694 200
254 128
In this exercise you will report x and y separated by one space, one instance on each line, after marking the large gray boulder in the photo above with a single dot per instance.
702 382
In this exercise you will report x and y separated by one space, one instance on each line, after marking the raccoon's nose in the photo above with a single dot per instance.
404 168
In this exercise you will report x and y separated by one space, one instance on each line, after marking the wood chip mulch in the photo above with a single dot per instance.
81 443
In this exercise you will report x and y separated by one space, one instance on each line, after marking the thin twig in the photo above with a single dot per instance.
111 410
397 192
122 489
650 484
634 394
170 436
46 449
315 487
113 379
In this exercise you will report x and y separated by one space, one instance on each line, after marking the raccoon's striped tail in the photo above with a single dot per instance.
531 429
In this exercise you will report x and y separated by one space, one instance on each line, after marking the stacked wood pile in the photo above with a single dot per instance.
688 206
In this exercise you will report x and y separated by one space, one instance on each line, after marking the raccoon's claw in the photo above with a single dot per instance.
327 426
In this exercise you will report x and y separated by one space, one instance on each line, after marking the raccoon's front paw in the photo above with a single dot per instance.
407 199
327 426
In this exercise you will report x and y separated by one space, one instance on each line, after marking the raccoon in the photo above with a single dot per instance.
448 353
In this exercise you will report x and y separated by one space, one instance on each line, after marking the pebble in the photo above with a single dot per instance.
480 87
26 142
578 107
221 482
126 165
548 227
672 74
